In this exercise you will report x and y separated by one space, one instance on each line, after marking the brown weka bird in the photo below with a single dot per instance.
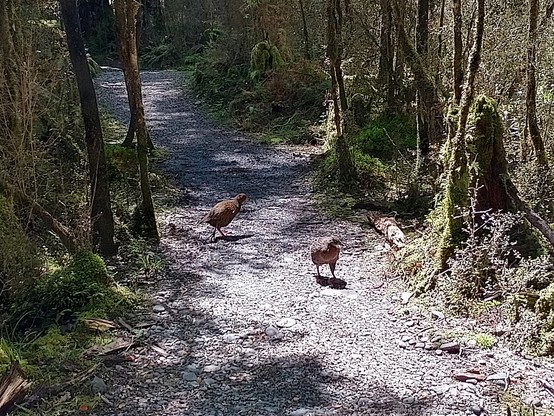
223 213
326 251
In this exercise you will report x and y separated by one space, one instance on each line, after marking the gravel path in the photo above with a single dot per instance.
240 327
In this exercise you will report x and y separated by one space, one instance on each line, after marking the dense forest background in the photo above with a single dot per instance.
441 111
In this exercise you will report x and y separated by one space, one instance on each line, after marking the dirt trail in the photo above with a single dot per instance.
328 352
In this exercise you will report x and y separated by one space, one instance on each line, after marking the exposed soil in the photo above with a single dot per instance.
240 326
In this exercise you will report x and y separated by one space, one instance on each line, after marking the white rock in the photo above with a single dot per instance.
211 368
409 400
300 412
273 333
286 323
350 294
441 389
437 314
406 296
158 308
231 338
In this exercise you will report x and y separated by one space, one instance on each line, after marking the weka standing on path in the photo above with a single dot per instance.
326 251
223 213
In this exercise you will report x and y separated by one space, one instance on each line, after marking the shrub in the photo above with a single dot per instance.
18 257
162 56
484 340
122 162
386 136
49 345
75 286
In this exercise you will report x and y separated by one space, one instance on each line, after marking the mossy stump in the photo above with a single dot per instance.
263 58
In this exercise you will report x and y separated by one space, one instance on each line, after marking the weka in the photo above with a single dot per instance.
223 213
326 251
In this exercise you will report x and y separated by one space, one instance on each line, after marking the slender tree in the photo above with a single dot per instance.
532 131
126 12
386 54
100 209
338 93
10 66
305 34
132 129
417 60
457 63
425 99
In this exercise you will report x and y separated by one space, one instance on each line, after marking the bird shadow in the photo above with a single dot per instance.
332 282
233 238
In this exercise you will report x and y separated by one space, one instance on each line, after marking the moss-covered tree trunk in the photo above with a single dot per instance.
479 172
477 168
456 194
485 152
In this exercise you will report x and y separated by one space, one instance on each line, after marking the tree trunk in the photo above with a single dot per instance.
457 62
457 180
131 131
485 148
533 134
123 50
10 67
425 99
126 14
334 23
335 20
441 26
13 388
100 210
424 82
385 76
307 46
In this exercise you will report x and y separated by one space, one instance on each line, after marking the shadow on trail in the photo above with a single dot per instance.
233 238
296 385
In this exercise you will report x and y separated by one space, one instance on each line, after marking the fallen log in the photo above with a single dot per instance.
13 388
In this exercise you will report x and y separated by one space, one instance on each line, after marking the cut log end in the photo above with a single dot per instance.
13 388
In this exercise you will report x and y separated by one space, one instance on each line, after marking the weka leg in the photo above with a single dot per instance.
222 232
332 267
323 281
